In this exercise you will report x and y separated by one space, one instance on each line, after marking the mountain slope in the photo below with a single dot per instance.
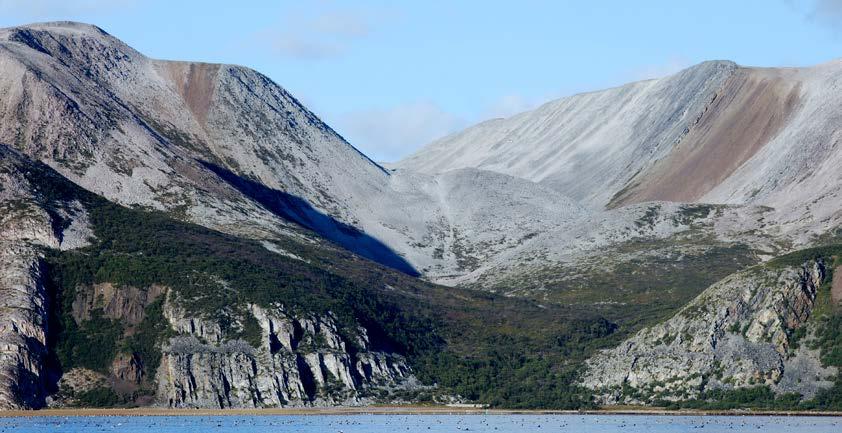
172 136
588 145
713 133
763 328
107 305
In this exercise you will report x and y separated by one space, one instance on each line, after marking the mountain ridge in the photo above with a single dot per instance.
194 219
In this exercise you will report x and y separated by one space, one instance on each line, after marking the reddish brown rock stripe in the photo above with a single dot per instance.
746 114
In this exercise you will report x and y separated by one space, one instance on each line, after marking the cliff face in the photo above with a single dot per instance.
738 333
22 331
26 228
300 360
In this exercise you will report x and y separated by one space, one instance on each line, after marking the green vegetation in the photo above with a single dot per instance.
759 397
797 258
635 289
91 345
98 397
505 352
148 337
650 217
826 320
829 341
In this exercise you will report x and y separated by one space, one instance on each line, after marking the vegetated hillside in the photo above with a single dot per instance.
157 311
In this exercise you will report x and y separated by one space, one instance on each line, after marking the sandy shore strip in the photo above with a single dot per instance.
390 410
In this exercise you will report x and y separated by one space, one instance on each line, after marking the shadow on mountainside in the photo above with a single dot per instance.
299 211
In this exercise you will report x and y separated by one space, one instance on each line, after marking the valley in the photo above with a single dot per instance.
190 235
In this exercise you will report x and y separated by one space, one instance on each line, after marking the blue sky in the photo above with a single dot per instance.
391 76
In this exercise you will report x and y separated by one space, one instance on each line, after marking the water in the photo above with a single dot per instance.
424 423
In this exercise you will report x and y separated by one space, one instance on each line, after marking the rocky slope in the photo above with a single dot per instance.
713 133
108 305
592 142
299 359
224 147
737 334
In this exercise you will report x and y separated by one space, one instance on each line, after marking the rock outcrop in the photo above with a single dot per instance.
23 320
301 360
738 333
26 228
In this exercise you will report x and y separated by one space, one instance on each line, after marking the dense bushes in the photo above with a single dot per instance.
91 345
758 397
829 341
98 397
148 336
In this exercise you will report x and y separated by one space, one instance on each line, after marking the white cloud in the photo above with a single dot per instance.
293 46
343 23
391 133
824 12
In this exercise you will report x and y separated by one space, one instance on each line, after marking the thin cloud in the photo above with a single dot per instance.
658 70
320 34
509 105
299 48
343 24
827 12
391 133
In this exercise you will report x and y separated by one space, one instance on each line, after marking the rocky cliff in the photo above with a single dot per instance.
27 228
737 334
300 360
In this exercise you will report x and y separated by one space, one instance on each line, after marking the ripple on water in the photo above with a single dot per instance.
423 423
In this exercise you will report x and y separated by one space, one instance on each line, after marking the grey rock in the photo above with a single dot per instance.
300 361
735 334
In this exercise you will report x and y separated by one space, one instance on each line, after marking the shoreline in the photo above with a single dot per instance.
392 410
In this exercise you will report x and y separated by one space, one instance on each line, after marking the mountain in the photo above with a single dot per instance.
190 235
221 146
723 167
713 133
715 157
747 330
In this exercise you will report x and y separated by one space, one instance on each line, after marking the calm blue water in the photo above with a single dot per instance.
424 423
